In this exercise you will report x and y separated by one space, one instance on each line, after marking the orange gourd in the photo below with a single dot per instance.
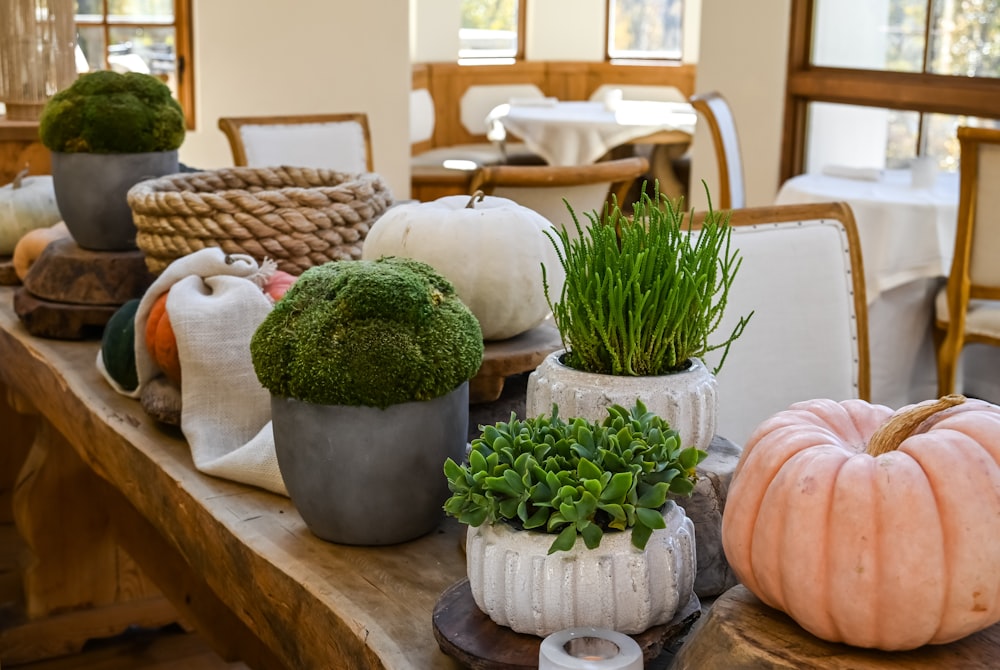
869 527
31 245
160 341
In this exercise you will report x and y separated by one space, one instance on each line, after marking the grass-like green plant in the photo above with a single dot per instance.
574 477
642 295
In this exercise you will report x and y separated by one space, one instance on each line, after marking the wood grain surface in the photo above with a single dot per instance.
312 604
741 633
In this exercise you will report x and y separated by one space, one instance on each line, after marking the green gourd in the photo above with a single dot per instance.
118 346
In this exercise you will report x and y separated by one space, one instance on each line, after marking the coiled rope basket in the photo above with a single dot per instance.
299 217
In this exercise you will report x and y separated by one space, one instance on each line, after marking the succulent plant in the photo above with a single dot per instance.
573 477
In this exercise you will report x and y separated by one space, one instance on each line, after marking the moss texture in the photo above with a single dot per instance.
373 333
108 112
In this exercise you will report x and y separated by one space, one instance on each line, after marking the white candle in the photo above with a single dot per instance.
589 649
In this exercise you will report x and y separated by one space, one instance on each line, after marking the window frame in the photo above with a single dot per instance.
184 50
633 58
522 23
906 91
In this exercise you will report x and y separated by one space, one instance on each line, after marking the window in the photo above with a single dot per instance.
883 81
491 29
149 36
645 29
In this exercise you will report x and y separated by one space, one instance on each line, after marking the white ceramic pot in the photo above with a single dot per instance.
687 400
518 584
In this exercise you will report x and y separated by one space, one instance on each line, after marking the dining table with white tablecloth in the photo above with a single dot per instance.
907 234
576 132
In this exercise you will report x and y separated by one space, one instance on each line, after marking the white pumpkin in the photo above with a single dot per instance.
26 203
492 249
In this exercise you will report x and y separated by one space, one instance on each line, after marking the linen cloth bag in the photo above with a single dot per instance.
215 303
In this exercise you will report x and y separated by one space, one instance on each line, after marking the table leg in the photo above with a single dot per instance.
77 584
18 429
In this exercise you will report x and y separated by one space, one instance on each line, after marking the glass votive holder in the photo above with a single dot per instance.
923 172
589 648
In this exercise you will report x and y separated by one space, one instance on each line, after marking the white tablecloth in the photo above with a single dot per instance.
578 133
907 241
906 233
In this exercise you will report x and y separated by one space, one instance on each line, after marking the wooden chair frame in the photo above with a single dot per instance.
950 336
620 173
732 189
231 126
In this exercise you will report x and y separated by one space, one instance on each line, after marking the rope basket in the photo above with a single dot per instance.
299 217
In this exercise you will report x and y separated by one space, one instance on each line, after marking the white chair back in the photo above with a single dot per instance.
333 141
984 270
543 187
421 116
337 146
583 198
478 101
801 275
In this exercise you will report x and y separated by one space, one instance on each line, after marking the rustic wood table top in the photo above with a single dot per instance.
311 603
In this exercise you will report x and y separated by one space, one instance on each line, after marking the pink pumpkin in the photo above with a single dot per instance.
278 284
869 527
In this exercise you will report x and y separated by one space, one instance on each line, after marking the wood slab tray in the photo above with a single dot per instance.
742 633
7 275
466 633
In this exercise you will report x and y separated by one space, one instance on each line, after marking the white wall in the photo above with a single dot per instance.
744 55
566 30
309 57
434 30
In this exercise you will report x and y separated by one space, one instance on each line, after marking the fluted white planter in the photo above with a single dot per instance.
687 400
518 584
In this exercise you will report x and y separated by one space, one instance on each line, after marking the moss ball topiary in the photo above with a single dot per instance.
374 333
107 112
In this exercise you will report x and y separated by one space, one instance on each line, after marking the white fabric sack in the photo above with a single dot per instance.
215 305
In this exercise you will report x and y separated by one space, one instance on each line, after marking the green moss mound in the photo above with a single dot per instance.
374 333
108 112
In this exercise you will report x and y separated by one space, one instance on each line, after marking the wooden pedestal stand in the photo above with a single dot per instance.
70 293
741 633
464 632
504 358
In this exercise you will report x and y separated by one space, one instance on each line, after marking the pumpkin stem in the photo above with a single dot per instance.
478 196
16 184
899 427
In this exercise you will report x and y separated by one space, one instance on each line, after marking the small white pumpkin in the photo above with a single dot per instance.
26 203
492 249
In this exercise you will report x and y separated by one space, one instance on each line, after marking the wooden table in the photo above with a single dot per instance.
101 483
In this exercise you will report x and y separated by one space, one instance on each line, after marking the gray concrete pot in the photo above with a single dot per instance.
369 476
91 194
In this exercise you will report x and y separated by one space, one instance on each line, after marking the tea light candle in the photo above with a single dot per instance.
589 649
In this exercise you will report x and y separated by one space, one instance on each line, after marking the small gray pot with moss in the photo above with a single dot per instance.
368 364
107 132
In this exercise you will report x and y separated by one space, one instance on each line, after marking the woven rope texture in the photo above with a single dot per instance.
300 217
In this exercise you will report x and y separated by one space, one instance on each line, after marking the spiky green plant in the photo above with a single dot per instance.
573 478
642 295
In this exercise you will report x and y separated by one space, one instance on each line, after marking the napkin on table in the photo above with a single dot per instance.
851 172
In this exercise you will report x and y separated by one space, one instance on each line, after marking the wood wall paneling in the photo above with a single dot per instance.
20 147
